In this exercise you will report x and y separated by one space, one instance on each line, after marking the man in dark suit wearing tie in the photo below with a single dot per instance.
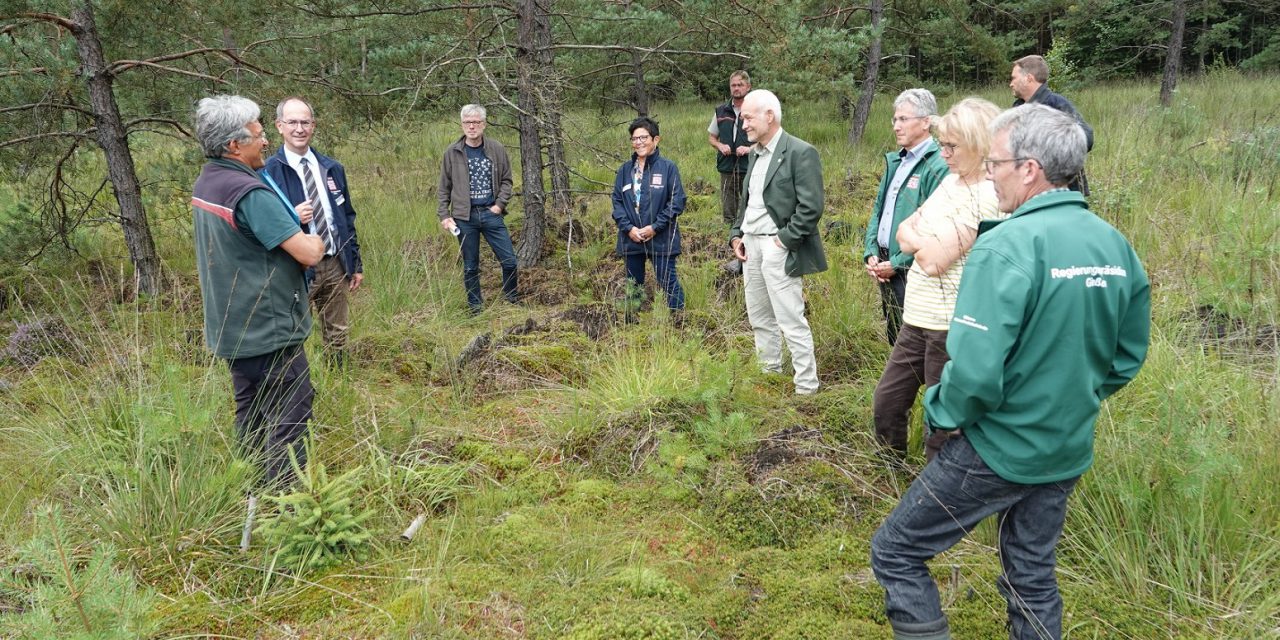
776 237
317 185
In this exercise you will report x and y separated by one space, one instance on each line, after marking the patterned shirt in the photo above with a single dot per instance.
930 300
480 174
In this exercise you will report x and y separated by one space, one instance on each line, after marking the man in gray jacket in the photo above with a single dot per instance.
475 185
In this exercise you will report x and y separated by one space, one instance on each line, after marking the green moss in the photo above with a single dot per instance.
502 461
408 352
536 485
646 582
591 495
519 533
626 621
780 511
544 363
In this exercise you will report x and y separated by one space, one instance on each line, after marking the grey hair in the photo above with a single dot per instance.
474 110
767 101
282 103
921 100
222 119
1048 136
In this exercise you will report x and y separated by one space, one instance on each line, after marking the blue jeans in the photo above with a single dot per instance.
494 229
952 495
664 267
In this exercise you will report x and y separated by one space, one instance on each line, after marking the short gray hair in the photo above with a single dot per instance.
767 101
474 110
222 119
280 106
1048 136
921 100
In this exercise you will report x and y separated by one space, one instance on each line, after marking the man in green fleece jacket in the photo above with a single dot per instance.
911 174
1053 316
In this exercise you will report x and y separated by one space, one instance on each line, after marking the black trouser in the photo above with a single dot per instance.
893 294
730 196
273 406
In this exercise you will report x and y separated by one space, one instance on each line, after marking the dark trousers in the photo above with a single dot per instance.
893 295
917 360
730 194
664 267
273 407
950 497
486 223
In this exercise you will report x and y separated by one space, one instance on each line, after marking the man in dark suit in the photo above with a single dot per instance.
317 185
776 237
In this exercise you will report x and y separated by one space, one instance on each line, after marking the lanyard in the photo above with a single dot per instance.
287 205
637 179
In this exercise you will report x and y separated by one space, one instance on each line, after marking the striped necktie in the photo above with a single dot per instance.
318 222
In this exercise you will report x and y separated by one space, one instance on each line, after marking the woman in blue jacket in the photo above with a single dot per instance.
647 198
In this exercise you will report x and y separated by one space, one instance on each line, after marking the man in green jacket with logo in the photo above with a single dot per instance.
910 176
1053 316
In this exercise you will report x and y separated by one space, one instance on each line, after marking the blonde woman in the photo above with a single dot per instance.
939 234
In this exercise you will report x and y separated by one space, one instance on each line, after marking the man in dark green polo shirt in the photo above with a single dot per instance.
251 254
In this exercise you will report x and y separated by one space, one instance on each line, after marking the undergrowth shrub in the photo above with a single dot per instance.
683 457
72 591
427 484
317 526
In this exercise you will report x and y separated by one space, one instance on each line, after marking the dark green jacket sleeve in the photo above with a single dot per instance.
806 173
1135 335
871 247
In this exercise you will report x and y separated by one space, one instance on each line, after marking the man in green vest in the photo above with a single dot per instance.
1053 316
251 254
726 135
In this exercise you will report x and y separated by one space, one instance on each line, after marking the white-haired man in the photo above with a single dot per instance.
1053 316
475 185
776 237
318 184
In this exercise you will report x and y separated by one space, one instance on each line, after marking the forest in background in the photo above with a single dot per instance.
584 478
85 77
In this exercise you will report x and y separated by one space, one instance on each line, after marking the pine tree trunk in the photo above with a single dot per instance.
1173 56
867 92
551 107
641 90
112 137
529 251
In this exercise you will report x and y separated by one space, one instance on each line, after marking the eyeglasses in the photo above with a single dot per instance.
903 119
305 124
640 139
473 123
948 147
988 163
